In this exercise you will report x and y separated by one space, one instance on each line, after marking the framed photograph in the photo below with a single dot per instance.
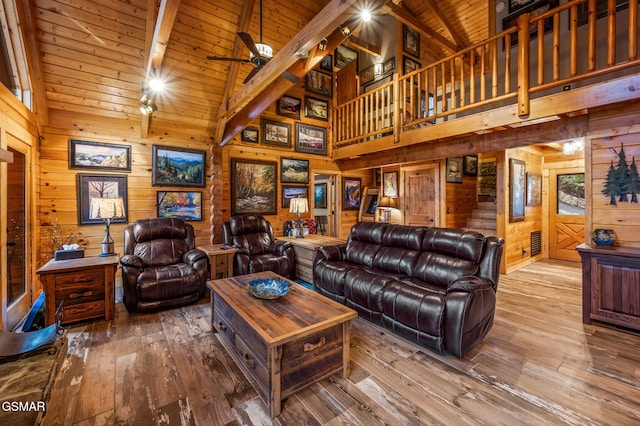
601 10
390 184
178 166
99 156
320 196
343 55
351 192
367 74
311 139
389 65
185 205
327 63
294 171
454 170
275 133
316 108
470 166
516 190
289 106
99 186
320 83
289 192
534 10
250 134
253 186
410 41
534 189
409 65
515 5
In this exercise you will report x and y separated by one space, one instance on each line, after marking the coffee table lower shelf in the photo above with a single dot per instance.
281 345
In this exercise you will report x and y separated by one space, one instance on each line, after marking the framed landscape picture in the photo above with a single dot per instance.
534 189
294 171
454 170
320 195
351 192
289 106
253 186
311 139
327 63
390 184
185 205
99 156
275 133
289 192
470 165
320 83
410 41
516 190
343 55
177 166
250 134
99 186
409 65
316 108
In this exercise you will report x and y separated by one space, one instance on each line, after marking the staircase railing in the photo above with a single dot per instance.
487 75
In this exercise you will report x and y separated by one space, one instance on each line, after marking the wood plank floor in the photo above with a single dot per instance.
538 365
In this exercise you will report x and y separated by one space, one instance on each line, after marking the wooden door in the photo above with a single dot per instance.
346 83
421 196
566 213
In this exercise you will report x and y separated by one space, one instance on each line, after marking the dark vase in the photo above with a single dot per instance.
604 237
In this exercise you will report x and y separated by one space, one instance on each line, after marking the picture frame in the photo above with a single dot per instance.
311 139
185 205
343 55
250 134
367 74
87 155
470 165
174 166
275 133
390 184
601 10
410 41
409 65
320 196
534 189
454 170
515 5
254 186
516 190
534 9
294 171
288 106
319 83
351 193
289 192
327 63
99 186
389 65
315 108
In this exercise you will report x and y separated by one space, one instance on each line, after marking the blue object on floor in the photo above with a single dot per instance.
305 284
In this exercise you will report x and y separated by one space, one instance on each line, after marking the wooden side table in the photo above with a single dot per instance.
220 260
86 285
305 250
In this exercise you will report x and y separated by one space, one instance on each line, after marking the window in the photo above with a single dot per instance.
570 194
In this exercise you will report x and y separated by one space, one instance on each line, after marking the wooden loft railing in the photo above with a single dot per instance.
486 75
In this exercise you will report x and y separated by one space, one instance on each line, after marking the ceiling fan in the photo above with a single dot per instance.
260 54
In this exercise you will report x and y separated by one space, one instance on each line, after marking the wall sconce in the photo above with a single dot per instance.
323 44
147 106
377 70
344 30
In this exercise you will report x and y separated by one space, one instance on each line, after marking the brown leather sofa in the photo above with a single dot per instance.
435 286
258 250
161 268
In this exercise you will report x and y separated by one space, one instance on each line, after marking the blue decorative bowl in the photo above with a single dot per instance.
604 237
268 288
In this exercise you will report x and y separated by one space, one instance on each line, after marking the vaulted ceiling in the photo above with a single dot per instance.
91 56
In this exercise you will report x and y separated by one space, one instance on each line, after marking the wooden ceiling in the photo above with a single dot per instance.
92 54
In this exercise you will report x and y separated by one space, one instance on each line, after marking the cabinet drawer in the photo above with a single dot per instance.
313 345
82 311
254 364
237 323
81 292
89 276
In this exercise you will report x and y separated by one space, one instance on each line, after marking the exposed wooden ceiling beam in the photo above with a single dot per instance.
407 18
363 45
446 23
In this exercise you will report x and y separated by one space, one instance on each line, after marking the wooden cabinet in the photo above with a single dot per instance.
86 286
305 251
611 285
220 260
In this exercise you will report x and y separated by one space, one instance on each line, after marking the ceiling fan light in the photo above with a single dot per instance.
265 51
148 109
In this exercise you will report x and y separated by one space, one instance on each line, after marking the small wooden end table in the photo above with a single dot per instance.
220 260
305 251
281 345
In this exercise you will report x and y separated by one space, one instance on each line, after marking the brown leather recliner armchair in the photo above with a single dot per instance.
161 268
258 250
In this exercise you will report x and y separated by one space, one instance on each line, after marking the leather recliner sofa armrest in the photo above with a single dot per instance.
336 252
193 255
280 247
131 260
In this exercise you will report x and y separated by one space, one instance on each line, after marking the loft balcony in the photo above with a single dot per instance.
513 79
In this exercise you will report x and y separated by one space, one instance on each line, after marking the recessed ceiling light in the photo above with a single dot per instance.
365 15
156 84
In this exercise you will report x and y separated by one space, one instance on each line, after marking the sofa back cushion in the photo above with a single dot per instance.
400 249
364 241
251 232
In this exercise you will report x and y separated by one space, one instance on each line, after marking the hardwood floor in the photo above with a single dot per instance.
538 365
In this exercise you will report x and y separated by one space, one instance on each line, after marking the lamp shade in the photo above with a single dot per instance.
298 205
106 208
388 202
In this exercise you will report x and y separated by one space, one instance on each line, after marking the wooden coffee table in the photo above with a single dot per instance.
281 345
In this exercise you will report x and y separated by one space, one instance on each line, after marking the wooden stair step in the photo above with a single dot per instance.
485 214
482 224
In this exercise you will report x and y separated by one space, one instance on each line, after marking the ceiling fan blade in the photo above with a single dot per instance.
248 40
251 74
291 77
224 58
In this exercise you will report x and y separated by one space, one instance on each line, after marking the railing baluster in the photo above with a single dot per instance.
633 30
483 75
494 69
611 32
472 76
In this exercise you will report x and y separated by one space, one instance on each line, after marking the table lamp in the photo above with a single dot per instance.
299 206
107 209
386 204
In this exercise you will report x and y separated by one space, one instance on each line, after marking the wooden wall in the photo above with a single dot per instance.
609 131
461 200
